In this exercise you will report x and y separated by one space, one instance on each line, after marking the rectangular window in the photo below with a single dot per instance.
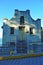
31 30
21 47
22 28
21 20
11 30
12 43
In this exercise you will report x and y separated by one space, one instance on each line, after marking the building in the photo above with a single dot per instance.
22 39
21 30
42 35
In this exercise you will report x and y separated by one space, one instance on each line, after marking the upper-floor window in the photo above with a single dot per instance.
22 28
11 30
31 30
21 20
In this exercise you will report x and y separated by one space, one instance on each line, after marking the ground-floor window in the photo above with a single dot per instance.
21 47
12 43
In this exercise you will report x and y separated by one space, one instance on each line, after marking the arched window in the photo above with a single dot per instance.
21 20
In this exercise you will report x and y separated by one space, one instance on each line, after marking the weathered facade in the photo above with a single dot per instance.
21 31
21 43
42 35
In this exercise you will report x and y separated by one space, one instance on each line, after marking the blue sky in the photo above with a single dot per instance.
7 8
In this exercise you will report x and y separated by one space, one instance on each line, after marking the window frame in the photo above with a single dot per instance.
11 30
21 20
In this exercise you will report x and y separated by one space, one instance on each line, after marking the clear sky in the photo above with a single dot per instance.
7 8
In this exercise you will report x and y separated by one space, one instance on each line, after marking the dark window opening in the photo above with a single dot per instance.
21 27
21 47
31 30
12 43
21 50
11 30
41 28
21 20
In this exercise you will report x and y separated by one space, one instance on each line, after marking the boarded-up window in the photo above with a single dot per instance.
11 30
